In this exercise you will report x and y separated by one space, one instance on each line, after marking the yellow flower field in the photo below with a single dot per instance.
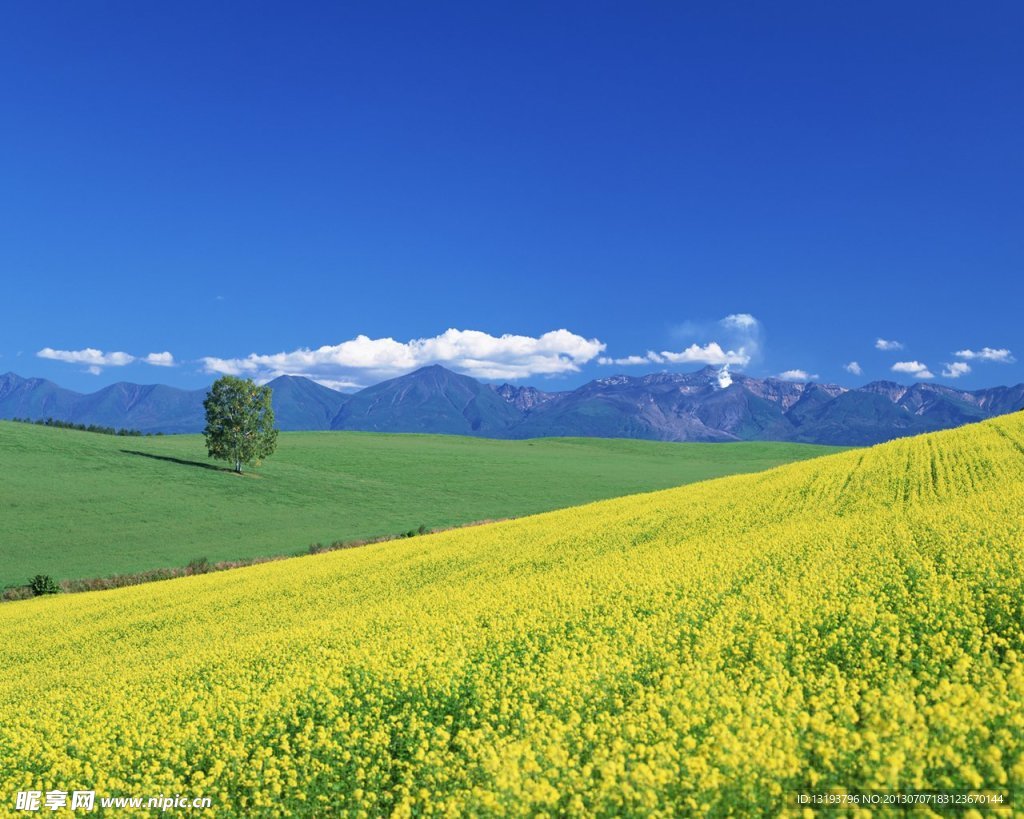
854 621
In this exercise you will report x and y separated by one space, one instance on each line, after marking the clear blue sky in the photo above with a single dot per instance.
216 180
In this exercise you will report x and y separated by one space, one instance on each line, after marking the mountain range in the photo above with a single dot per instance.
700 406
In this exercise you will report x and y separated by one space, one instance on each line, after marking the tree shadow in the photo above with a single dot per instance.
181 461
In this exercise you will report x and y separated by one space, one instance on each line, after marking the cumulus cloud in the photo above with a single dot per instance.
796 375
740 321
710 353
633 360
853 368
956 369
914 368
339 384
160 359
883 344
743 333
90 356
1001 356
95 360
467 351
738 342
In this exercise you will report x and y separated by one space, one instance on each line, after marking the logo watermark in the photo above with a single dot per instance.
85 801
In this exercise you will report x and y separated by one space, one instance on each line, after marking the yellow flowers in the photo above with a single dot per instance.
853 621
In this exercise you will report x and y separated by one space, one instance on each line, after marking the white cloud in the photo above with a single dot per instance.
633 360
710 353
468 351
1002 356
796 375
853 368
96 360
160 359
90 356
914 368
724 377
341 385
740 321
882 344
743 333
740 335
956 369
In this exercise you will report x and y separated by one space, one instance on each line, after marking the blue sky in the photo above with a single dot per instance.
351 190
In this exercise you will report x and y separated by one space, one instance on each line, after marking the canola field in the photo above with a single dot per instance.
854 621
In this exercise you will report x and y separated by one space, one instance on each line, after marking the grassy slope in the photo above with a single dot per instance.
856 620
75 504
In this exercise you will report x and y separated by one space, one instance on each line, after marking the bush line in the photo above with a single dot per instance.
44 584
55 422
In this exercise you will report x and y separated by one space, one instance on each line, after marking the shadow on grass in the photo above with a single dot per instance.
181 461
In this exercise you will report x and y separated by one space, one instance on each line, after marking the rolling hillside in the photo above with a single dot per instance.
75 504
855 620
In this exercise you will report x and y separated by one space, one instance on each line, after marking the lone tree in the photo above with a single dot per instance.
239 422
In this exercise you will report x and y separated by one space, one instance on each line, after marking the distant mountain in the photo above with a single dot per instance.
652 406
694 407
669 407
148 408
34 398
1000 400
300 403
145 407
698 406
431 399
884 410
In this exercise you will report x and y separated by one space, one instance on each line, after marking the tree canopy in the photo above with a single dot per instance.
239 422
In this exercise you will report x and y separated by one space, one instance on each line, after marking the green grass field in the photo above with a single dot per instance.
77 504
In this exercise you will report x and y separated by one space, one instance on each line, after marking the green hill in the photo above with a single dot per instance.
75 504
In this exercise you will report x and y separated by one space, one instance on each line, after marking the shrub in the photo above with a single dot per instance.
198 565
43 584
16 593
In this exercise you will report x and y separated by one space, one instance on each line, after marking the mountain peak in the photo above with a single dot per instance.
431 399
890 389
525 398
434 373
